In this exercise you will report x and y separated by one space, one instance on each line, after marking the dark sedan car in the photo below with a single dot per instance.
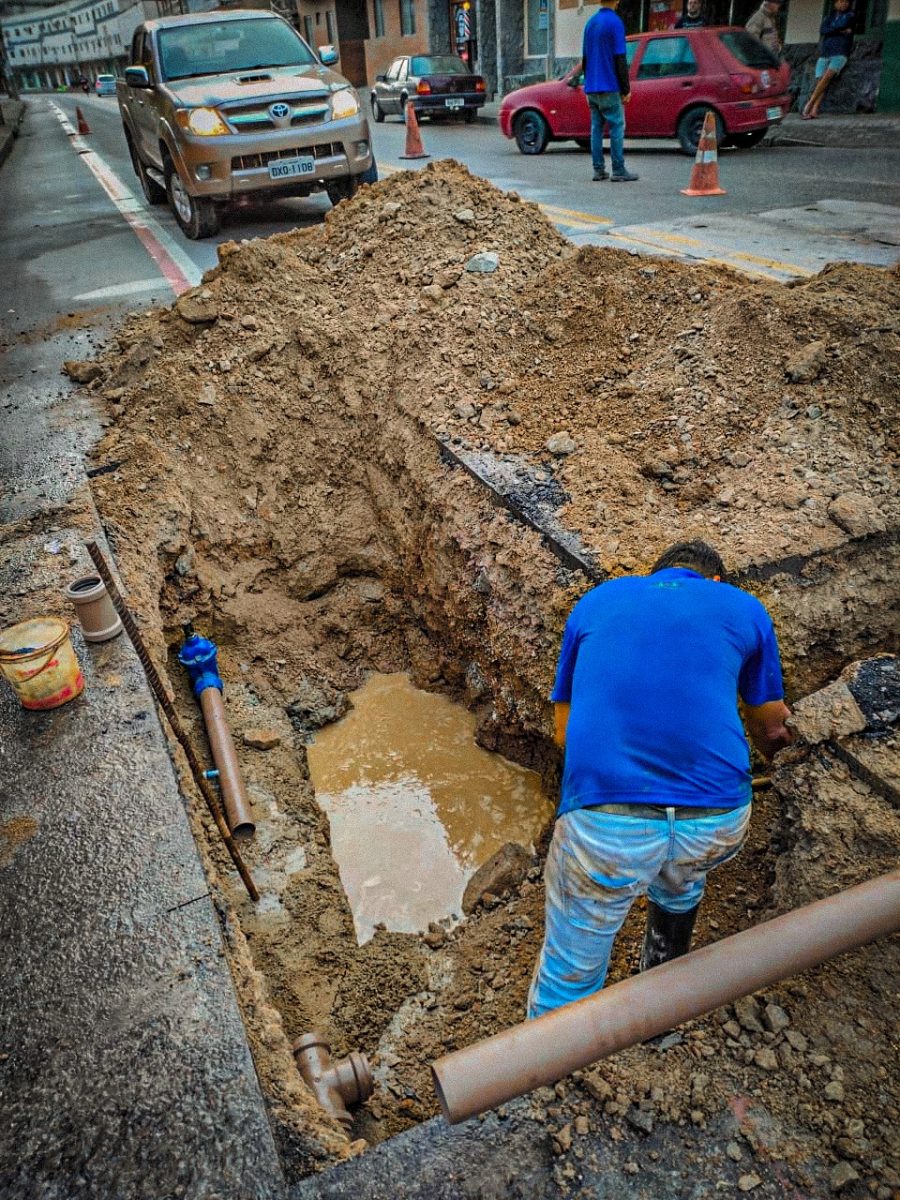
439 85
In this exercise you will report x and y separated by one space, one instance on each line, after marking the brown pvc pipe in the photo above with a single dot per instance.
542 1051
234 795
335 1085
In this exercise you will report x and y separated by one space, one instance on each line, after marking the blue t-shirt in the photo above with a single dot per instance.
604 37
652 666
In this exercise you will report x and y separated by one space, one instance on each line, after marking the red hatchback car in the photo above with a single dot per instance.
676 78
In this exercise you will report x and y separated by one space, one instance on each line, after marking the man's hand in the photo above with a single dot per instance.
767 729
626 97
573 81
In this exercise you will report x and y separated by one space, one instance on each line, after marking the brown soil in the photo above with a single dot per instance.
282 484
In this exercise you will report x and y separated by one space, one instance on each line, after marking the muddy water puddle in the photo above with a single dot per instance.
415 806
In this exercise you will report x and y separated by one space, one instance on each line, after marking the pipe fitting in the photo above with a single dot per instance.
98 618
335 1085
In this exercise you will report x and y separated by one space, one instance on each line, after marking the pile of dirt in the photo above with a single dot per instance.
279 478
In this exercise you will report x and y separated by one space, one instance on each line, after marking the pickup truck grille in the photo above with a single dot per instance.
246 162
257 116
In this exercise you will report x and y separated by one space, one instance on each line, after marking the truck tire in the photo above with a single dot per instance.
347 187
197 216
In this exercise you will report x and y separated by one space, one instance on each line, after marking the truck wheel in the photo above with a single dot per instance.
197 216
153 193
342 189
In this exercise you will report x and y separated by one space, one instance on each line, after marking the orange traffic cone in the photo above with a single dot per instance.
705 171
414 147
83 126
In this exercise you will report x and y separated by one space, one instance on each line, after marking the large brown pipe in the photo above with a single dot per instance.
234 795
545 1050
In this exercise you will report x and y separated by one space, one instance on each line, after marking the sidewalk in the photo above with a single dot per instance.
11 112
124 1064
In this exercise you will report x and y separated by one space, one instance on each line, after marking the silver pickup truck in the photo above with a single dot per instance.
221 105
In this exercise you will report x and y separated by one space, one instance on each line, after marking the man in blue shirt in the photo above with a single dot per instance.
607 87
656 783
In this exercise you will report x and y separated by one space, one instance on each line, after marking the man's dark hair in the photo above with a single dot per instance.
696 556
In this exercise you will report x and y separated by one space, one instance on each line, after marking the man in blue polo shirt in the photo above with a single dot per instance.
607 88
656 782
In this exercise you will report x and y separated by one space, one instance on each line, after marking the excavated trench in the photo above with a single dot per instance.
335 490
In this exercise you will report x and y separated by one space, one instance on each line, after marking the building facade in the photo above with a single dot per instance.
54 47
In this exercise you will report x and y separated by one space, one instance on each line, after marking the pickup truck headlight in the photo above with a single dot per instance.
205 122
344 103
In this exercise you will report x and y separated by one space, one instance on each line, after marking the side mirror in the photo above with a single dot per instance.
137 77
380 78
328 56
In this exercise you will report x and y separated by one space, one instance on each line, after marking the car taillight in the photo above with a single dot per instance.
479 85
744 83
423 88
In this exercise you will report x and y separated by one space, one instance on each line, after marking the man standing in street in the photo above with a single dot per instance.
607 88
692 18
764 25
656 784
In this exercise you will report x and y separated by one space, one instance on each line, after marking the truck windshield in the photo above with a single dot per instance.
217 47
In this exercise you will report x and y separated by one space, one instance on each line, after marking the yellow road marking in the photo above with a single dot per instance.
680 239
574 212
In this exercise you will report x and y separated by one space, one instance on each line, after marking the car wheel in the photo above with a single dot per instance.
690 126
197 216
744 141
583 143
377 110
531 132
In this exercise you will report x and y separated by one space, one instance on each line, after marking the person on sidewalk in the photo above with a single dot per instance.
656 781
764 25
607 87
692 17
837 45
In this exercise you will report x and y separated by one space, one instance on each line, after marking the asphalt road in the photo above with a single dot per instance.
648 215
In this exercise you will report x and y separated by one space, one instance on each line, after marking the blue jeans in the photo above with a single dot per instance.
607 107
598 863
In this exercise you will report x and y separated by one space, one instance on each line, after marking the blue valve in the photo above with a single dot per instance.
198 656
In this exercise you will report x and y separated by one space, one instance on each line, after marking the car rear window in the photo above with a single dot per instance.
106 79
749 50
216 47
438 64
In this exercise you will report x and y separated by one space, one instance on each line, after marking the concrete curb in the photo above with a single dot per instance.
13 112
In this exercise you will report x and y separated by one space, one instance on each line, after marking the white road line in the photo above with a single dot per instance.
124 289
178 268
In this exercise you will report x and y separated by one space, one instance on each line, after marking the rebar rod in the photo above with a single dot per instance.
156 683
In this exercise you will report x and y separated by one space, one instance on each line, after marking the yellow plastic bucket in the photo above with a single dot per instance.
38 660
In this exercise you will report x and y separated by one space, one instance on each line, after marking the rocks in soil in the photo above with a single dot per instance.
82 372
485 262
197 307
831 712
806 364
857 515
503 871
842 1175
262 739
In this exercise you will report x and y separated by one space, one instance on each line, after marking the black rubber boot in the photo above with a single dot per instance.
668 935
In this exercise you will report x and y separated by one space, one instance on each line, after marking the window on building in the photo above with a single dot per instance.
329 21
667 57
378 8
407 17
537 19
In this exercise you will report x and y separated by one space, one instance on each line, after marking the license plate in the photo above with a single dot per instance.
774 114
455 102
288 168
